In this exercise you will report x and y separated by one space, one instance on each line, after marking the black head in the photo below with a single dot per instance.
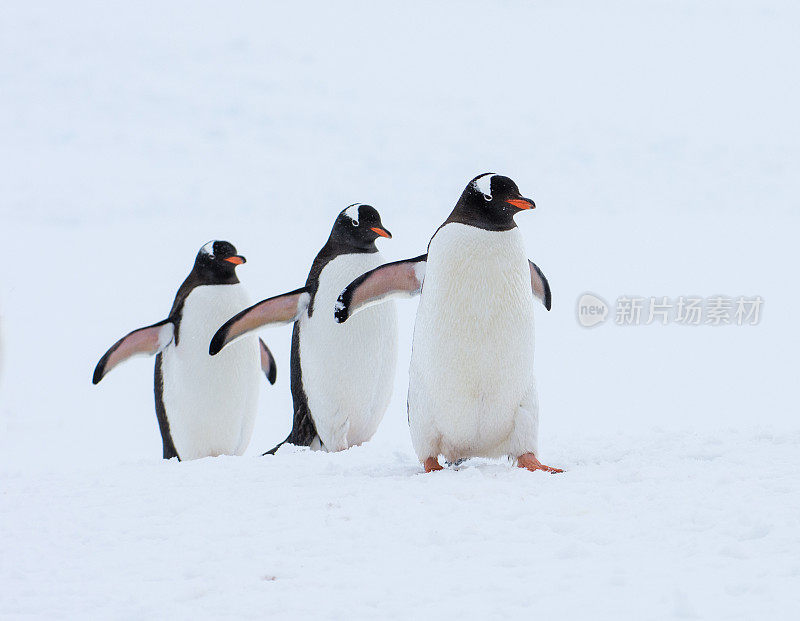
358 227
216 263
490 202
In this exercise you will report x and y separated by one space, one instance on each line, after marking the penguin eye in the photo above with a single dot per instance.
487 198
355 222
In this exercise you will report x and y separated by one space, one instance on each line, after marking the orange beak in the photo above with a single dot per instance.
236 260
382 232
522 203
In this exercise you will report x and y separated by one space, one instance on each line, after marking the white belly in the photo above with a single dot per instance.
211 401
348 369
471 385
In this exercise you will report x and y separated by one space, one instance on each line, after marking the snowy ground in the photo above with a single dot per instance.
661 144
672 525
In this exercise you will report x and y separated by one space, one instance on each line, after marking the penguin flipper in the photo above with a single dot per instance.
397 279
281 309
540 286
268 362
149 340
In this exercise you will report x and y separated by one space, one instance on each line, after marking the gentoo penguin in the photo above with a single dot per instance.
471 387
205 406
341 376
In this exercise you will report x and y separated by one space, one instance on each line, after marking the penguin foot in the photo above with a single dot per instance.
432 464
529 462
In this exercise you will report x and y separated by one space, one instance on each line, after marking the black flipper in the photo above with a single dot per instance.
281 309
540 286
398 279
149 340
268 362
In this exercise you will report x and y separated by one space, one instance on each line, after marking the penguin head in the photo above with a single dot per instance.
216 262
358 226
491 201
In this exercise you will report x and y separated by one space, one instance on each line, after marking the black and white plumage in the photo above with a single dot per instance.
341 375
205 406
471 385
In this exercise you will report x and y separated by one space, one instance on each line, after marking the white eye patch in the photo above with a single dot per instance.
208 248
484 185
352 213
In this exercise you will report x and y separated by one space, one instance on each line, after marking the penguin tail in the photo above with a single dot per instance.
303 433
274 450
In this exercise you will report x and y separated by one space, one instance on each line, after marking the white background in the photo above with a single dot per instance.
660 143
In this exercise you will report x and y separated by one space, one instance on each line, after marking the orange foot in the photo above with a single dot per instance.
529 462
431 464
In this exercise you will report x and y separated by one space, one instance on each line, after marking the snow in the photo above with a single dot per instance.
660 143
664 525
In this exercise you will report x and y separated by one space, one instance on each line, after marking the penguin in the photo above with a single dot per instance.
205 406
471 388
341 376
